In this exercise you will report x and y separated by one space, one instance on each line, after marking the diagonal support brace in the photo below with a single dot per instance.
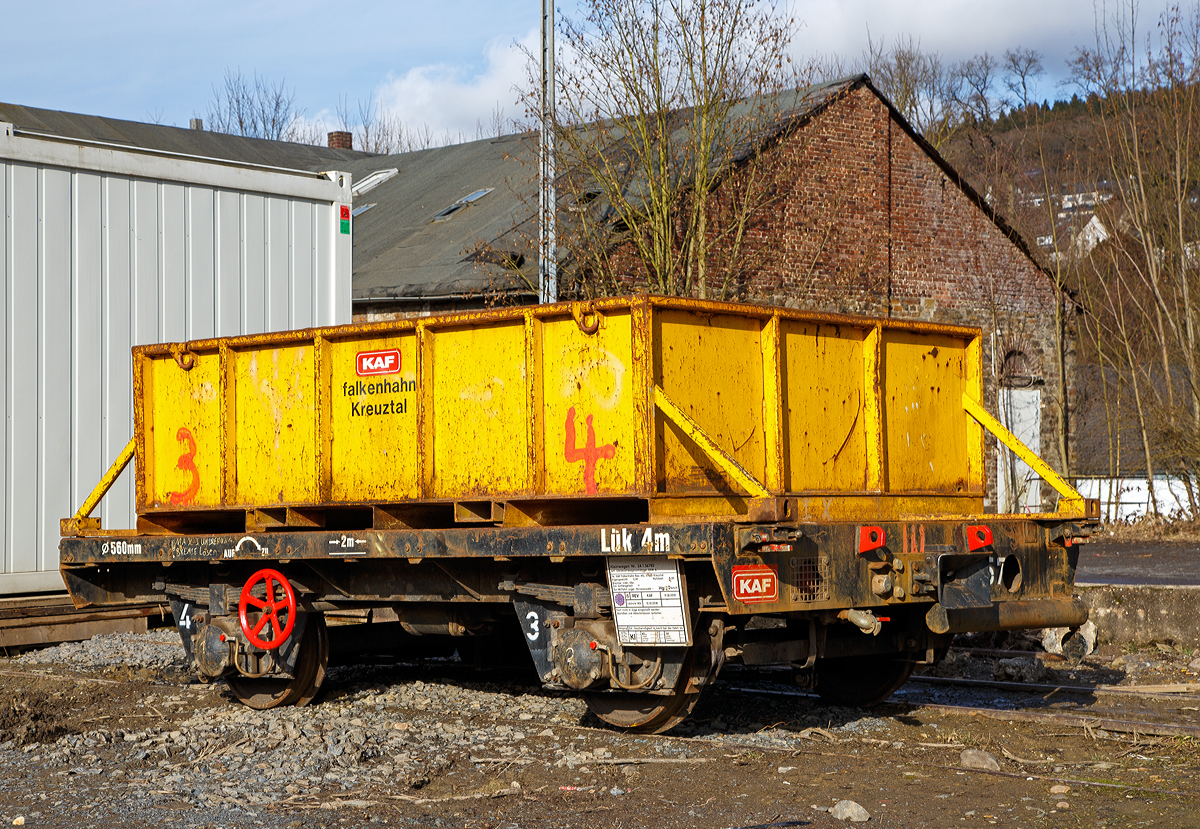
1072 502
82 522
723 460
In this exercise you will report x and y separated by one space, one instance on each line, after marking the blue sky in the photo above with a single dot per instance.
445 63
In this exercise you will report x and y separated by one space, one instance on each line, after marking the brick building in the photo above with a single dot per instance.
877 222
872 220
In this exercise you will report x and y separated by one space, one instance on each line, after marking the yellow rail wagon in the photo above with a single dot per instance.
622 484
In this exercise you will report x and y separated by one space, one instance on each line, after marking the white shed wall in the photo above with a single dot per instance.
105 248
1128 499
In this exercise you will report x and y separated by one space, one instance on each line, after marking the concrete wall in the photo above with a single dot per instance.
1140 614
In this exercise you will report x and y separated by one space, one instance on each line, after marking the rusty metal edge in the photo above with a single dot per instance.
560 309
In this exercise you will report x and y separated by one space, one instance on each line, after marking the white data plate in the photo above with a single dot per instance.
648 601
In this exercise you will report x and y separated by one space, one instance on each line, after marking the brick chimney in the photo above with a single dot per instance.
341 140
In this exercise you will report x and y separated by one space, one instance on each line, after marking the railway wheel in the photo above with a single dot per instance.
652 713
861 681
271 692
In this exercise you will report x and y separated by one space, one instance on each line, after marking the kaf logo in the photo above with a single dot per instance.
755 583
378 362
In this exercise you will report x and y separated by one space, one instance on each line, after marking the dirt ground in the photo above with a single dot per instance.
902 762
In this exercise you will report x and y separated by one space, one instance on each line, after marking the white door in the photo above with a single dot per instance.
1018 488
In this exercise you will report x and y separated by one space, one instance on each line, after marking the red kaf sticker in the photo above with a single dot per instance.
345 212
755 583
378 362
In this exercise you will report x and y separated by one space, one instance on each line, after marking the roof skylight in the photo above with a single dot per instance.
374 180
478 194
446 213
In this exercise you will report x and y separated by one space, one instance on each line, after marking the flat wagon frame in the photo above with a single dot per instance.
622 485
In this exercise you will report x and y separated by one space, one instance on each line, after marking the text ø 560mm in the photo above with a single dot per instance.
270 609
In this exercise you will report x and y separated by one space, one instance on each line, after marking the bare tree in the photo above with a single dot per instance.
919 85
974 86
254 108
657 101
831 67
1022 68
1145 97
377 129
496 125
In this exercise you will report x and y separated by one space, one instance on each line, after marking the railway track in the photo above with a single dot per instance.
1090 708
47 619
1027 702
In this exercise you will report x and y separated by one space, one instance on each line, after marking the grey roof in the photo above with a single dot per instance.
177 140
488 246
401 252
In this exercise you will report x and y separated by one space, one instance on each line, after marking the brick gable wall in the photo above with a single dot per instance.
873 225
866 222
863 221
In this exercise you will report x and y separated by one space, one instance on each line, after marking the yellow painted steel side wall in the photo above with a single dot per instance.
374 417
925 426
587 400
711 367
182 432
530 405
480 412
825 422
275 425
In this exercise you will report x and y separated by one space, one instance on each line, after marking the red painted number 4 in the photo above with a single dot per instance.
589 454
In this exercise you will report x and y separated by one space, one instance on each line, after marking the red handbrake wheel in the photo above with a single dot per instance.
272 610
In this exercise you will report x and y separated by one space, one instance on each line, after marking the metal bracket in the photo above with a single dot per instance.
1071 503
811 659
595 595
963 579
536 619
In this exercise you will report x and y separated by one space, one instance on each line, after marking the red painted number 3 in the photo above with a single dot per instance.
187 464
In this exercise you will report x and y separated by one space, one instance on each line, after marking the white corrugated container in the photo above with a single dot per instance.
106 247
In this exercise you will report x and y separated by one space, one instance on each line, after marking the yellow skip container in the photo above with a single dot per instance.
698 408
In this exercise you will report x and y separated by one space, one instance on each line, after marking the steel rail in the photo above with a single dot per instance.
1078 720
1039 688
1075 781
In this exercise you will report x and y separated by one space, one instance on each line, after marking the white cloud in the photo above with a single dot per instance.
959 29
453 99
